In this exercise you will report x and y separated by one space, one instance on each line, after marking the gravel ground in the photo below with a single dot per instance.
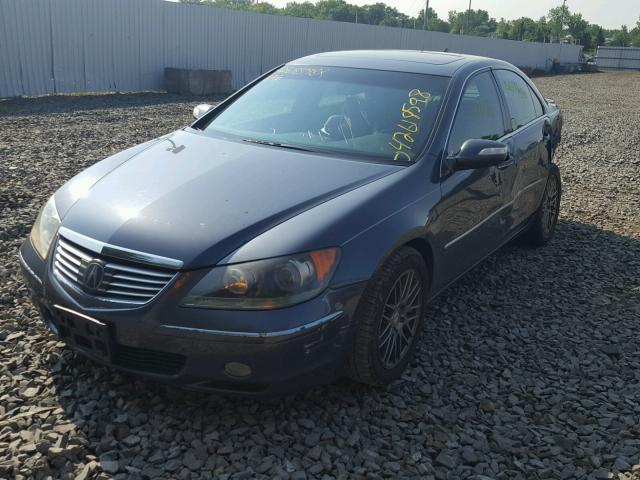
529 367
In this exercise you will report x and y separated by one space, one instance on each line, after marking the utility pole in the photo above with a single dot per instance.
356 14
469 14
426 11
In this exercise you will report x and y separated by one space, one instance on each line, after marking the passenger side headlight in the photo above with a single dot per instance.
45 228
265 284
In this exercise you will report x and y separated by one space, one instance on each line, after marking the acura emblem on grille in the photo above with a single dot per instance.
107 280
93 275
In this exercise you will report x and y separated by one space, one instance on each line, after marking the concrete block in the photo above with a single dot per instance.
197 82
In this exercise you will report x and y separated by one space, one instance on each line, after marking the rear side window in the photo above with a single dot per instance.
520 98
479 115
537 104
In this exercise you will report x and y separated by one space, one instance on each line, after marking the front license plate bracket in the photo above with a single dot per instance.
86 334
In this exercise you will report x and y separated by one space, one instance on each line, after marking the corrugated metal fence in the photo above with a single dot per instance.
623 58
62 46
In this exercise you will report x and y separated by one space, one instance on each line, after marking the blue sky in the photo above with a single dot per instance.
608 13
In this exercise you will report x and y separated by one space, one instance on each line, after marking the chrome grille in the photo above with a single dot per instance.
120 283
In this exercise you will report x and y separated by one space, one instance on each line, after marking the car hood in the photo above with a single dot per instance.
196 199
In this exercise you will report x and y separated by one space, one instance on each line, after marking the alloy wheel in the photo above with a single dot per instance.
550 205
400 318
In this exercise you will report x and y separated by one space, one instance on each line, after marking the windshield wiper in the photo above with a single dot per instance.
277 144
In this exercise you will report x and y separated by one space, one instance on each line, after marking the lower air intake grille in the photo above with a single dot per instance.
162 363
107 279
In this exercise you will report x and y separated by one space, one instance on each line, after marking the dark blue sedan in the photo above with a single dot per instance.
297 230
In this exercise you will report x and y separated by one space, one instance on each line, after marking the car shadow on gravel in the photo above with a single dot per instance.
528 368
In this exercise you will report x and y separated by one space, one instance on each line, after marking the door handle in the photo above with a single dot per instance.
507 163
495 177
546 132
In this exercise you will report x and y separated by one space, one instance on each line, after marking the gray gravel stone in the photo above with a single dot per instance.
108 462
446 460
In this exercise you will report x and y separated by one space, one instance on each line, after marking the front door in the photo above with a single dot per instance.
470 217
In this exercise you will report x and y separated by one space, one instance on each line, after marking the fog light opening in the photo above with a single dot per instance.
237 370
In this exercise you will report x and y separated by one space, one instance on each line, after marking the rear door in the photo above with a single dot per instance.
527 143
471 224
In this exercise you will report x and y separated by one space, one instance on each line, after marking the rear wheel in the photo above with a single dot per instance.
545 219
389 318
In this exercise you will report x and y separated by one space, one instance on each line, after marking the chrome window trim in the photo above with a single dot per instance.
507 135
535 91
527 83
120 253
492 214
521 129
455 114
280 333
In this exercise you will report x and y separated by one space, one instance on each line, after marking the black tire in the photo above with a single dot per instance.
377 315
545 219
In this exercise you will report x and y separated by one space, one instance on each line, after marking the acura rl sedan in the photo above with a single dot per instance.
297 230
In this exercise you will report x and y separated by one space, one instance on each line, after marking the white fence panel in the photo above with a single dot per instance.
623 58
25 48
67 34
54 46
283 40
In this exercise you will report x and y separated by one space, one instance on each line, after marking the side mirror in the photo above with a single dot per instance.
478 154
201 109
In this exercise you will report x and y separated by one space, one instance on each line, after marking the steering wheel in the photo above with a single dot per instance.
337 127
354 121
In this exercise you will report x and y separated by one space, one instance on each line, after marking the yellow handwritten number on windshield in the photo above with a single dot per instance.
403 138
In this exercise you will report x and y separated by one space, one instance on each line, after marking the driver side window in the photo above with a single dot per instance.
479 114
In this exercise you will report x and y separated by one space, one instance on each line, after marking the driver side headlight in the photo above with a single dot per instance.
45 228
265 284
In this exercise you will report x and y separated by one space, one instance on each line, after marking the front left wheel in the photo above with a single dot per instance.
389 319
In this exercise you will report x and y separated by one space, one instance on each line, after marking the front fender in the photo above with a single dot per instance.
363 254
367 223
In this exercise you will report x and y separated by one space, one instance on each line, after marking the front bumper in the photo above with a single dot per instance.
243 352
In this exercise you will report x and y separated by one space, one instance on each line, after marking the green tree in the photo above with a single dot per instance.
434 23
524 29
301 9
338 10
635 34
472 22
579 30
597 35
266 7
503 29
556 19
373 14
233 4
621 38
544 32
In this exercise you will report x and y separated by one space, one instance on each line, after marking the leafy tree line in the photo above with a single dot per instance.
558 25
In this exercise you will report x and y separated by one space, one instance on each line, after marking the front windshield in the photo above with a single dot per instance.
379 114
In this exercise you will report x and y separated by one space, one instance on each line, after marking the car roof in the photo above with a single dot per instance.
411 61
